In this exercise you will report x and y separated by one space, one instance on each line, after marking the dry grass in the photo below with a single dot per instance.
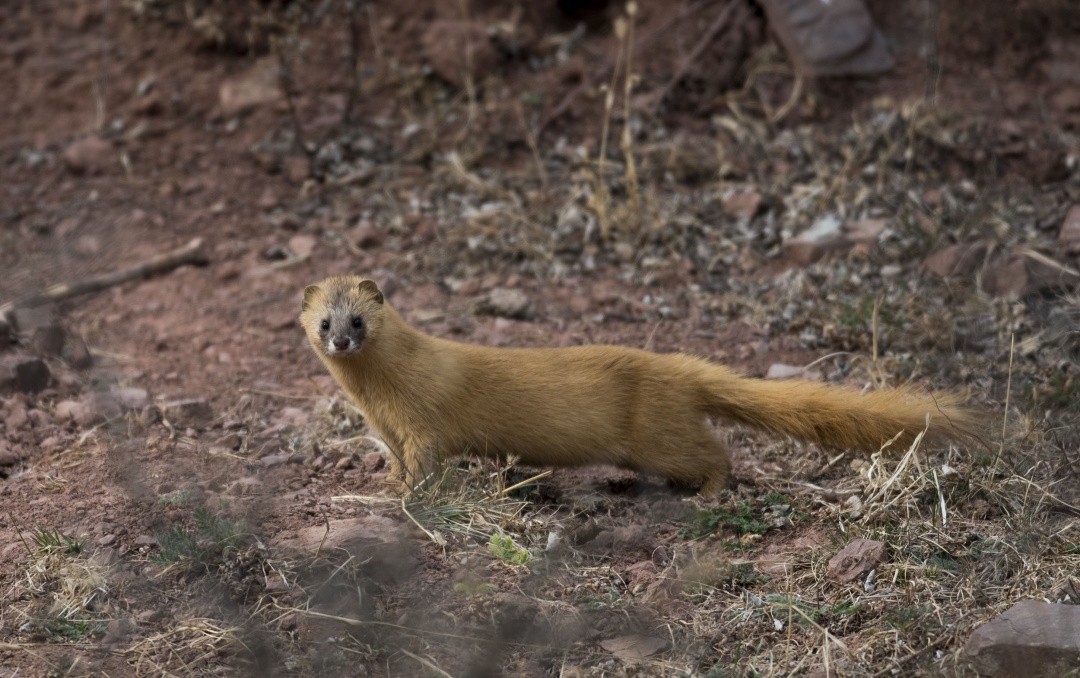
968 532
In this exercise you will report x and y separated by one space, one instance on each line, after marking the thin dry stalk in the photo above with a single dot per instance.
599 199
1008 393
530 138
627 135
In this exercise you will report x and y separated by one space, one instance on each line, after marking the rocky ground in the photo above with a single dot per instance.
186 492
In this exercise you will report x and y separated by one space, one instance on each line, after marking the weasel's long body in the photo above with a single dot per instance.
630 408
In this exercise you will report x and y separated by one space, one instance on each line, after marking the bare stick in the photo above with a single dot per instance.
699 49
192 253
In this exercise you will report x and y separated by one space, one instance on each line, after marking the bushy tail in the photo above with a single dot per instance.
836 417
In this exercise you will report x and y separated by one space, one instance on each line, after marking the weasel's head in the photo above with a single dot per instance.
340 314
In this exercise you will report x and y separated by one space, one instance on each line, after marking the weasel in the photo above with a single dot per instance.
432 398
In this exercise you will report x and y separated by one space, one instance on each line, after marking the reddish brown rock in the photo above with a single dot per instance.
446 44
959 261
83 412
742 204
367 236
856 560
1032 638
1006 276
641 573
190 412
131 398
17 419
824 237
1069 235
150 105
297 168
1046 273
781 371
864 231
7 457
48 341
302 245
376 541
469 288
255 87
1024 271
506 303
121 628
24 375
636 646
90 155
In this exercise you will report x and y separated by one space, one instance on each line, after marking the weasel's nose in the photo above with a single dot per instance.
341 343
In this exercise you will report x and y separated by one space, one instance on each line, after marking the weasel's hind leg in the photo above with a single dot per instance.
702 460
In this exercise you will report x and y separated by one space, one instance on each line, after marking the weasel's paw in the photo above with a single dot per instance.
397 486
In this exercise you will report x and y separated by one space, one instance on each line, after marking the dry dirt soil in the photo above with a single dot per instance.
188 493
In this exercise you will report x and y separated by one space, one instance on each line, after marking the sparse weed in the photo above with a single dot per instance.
470 589
71 630
780 603
507 551
743 520
179 497
53 541
908 619
738 575
215 538
860 316
612 601
1061 391
176 545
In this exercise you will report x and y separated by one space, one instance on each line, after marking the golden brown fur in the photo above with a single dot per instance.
630 408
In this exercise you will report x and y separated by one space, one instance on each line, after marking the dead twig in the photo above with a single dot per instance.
191 253
699 49
602 74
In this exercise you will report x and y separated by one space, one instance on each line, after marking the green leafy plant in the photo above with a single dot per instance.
779 602
175 545
776 499
862 315
65 630
214 539
506 550
910 618
471 590
612 601
740 575
743 520
179 497
1063 393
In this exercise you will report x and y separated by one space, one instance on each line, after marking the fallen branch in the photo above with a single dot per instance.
192 253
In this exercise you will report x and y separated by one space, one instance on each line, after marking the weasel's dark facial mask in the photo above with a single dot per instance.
337 314
342 333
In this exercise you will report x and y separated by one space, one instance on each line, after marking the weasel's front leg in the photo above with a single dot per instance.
420 461
397 473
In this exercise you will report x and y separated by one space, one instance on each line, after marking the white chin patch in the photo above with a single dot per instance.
334 351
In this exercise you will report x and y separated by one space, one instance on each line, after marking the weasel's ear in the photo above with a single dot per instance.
309 293
371 288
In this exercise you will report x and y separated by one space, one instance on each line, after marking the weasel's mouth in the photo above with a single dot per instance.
335 351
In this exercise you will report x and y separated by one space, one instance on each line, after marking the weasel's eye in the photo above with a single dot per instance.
325 325
357 322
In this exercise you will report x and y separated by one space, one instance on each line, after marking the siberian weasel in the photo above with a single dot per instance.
626 407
